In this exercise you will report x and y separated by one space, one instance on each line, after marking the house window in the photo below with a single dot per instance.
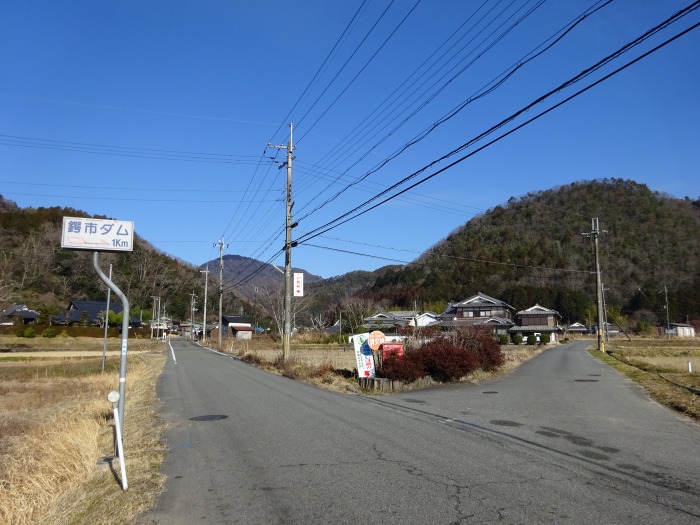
485 313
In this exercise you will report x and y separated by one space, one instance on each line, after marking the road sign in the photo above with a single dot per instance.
80 233
363 356
376 339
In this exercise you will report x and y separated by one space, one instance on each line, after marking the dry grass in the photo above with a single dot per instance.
653 362
55 422
333 367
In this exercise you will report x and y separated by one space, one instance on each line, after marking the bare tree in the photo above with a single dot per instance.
319 323
357 309
271 302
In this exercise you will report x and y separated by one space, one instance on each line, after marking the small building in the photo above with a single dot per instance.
241 326
478 310
681 330
398 319
537 320
18 314
90 313
478 307
577 329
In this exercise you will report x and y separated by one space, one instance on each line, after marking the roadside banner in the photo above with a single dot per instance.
363 355
299 285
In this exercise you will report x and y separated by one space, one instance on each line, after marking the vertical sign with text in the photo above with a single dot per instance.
298 285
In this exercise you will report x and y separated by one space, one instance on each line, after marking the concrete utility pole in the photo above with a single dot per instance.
206 279
221 246
605 314
192 316
288 245
153 313
668 319
594 234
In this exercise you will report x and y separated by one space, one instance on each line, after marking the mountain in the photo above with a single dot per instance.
246 277
531 250
526 251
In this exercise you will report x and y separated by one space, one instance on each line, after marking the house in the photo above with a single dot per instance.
18 314
578 329
397 319
89 312
479 310
681 330
241 326
537 320
479 306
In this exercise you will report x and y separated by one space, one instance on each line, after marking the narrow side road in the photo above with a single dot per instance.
246 446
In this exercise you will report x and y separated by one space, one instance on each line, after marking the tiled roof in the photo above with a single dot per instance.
481 299
536 328
537 310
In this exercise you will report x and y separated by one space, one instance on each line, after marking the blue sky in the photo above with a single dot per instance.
160 113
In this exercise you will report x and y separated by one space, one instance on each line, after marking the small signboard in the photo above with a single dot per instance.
363 355
80 233
376 339
298 285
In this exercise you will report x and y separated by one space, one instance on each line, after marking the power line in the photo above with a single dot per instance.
339 220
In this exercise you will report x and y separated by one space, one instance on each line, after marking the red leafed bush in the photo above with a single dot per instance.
446 361
479 340
408 367
446 358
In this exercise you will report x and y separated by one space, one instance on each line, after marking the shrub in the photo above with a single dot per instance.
517 339
20 332
447 361
408 367
479 340
49 332
531 340
503 339
545 339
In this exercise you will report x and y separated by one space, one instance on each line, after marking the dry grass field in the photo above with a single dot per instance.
660 365
55 423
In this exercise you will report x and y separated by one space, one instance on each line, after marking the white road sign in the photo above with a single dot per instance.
80 233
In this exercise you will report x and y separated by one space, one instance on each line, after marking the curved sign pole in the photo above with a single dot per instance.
125 335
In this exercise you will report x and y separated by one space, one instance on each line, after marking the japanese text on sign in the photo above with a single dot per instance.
80 233
298 285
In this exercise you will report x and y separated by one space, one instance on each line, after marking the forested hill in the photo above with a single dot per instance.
531 250
36 271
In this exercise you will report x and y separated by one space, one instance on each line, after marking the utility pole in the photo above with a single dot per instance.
288 245
221 246
206 279
668 320
594 234
605 314
153 313
192 316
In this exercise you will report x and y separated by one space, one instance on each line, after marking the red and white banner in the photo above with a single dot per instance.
298 285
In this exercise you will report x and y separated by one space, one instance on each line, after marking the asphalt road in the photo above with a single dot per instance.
563 439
